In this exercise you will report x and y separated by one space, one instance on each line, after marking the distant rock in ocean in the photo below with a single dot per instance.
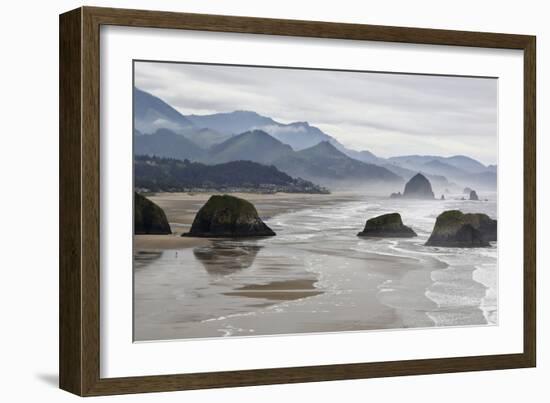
442 197
148 217
455 229
473 195
228 216
396 195
387 225
418 187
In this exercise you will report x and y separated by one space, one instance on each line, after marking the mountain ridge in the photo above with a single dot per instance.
214 131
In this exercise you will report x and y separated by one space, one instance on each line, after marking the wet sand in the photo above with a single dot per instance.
316 275
278 290
172 241
181 208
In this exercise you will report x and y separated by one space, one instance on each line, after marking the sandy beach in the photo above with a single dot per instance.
181 208
316 275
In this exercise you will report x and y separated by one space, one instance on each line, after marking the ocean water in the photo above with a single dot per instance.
346 283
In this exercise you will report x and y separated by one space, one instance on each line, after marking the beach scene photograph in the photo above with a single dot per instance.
286 201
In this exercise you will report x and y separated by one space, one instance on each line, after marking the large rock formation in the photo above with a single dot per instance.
455 229
148 217
473 195
228 216
387 225
418 187
484 224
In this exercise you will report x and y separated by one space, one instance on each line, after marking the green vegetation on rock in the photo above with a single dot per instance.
387 225
228 216
148 217
456 229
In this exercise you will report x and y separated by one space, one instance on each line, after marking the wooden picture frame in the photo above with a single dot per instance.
79 346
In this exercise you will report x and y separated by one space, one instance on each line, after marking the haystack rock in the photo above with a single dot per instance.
228 217
455 229
387 226
148 217
419 187
473 195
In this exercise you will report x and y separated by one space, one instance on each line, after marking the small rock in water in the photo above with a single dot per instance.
419 187
395 195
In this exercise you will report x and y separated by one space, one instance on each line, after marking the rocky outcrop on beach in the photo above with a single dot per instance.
228 216
473 195
387 226
484 224
456 229
148 217
419 187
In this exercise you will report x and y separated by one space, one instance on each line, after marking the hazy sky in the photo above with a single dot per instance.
387 114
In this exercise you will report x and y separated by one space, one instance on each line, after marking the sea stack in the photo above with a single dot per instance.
455 229
418 187
473 195
396 195
148 217
228 217
387 226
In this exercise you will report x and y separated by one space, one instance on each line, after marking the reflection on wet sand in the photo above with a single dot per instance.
221 258
144 258
286 290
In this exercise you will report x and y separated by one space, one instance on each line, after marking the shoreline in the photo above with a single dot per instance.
315 276
181 208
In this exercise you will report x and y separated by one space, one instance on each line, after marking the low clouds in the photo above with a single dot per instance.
388 114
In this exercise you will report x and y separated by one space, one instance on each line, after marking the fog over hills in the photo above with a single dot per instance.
253 145
323 162
298 148
152 113
168 144
231 122
462 162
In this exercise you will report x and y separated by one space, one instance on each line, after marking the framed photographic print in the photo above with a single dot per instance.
249 201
